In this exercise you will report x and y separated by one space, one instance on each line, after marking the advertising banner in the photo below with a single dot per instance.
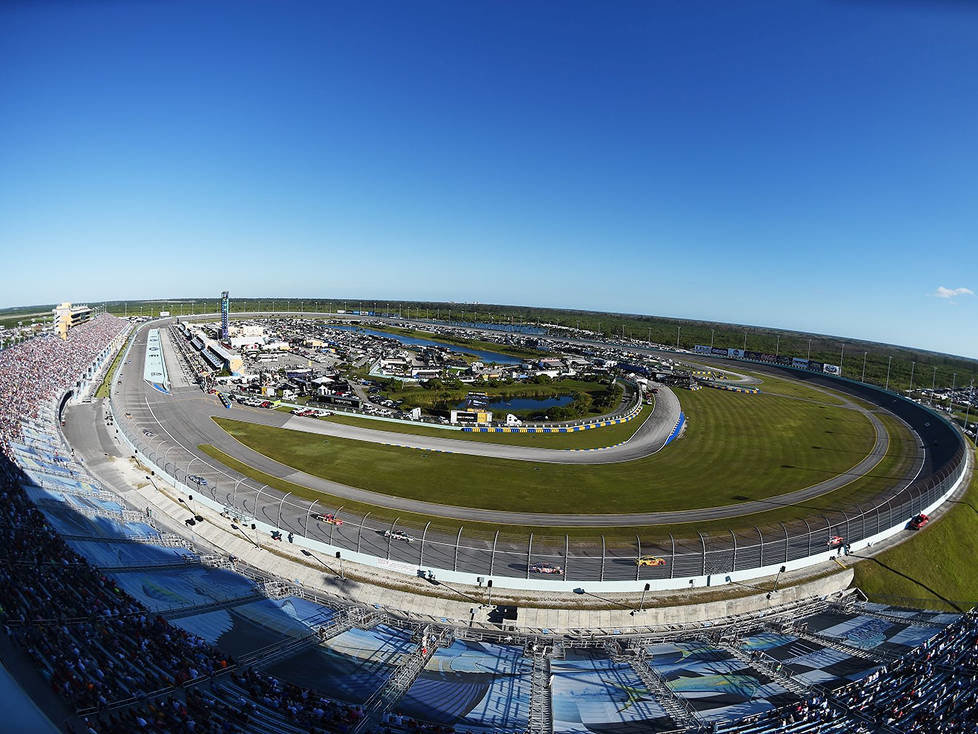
735 353
798 362
782 360
701 349
768 357
718 352
832 369
815 366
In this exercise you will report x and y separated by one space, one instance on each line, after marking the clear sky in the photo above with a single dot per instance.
808 165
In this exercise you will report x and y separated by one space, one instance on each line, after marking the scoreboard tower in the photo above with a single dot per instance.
225 304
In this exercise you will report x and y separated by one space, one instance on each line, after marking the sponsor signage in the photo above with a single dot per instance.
756 356
786 361
800 363
735 353
831 369
815 366
718 352
702 349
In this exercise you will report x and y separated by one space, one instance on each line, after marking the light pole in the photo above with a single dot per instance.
842 359
889 361
864 368
641 604
777 346
809 349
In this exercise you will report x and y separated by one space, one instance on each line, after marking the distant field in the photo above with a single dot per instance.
737 447
594 438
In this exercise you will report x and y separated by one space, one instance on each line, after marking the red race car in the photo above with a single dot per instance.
546 568
835 541
328 517
918 521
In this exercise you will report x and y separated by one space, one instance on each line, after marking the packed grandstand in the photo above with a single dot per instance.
136 630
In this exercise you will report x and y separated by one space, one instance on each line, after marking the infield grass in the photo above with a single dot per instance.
593 438
737 448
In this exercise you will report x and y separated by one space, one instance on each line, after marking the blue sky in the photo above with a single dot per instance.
808 165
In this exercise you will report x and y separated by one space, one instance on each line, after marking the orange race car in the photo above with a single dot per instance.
650 561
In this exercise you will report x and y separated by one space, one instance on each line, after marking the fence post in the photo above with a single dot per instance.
760 560
783 527
601 578
492 556
457 541
638 569
809 529
672 564
391 537
529 550
733 564
363 522
846 516
566 555
305 529
424 534
703 561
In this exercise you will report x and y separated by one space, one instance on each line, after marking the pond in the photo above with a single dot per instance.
493 357
534 404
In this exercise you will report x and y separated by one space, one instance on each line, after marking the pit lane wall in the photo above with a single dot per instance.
938 494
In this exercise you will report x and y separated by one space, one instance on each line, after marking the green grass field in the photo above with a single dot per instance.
791 388
935 568
594 438
737 447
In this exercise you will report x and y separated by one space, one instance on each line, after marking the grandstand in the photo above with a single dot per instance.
133 628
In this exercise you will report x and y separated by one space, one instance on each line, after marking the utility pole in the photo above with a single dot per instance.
842 358
745 340
678 330
777 347
888 363
809 349
712 332
864 368
913 366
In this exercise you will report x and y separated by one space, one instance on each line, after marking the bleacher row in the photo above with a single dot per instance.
138 634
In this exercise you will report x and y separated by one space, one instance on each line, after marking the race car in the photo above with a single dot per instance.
397 535
650 561
835 541
918 521
328 517
546 568
197 479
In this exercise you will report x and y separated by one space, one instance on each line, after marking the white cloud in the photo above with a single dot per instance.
950 293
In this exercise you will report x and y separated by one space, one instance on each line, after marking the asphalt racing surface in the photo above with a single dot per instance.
169 427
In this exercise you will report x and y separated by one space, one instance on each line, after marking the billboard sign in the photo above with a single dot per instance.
800 363
815 366
831 369
718 352
756 356
701 349
735 353
786 361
